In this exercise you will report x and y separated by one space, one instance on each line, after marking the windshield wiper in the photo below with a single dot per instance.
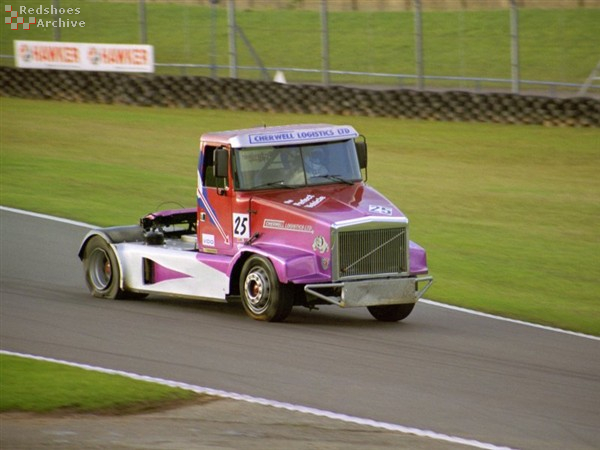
334 178
279 183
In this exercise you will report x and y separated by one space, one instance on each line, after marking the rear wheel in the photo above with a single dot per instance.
102 272
391 313
263 296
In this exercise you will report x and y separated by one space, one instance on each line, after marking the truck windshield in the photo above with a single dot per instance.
296 166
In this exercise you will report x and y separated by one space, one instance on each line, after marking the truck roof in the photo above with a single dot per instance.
281 135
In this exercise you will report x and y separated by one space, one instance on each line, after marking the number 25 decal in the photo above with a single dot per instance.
241 226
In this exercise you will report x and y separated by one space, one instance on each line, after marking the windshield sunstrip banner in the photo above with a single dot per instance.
293 136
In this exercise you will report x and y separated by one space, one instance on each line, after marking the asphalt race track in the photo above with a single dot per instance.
443 370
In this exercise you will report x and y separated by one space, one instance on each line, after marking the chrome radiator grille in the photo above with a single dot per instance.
371 252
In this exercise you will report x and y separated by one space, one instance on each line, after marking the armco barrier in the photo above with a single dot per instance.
247 95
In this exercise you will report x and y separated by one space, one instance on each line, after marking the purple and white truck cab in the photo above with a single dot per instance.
283 218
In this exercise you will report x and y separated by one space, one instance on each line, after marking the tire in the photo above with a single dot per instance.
391 313
102 271
263 296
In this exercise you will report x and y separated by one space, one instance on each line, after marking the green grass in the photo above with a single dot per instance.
29 385
509 214
555 45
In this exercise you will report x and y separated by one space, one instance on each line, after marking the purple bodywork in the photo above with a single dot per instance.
287 223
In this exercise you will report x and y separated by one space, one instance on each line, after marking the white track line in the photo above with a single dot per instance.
429 302
47 217
506 319
275 404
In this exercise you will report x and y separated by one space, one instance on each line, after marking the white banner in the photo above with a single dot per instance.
79 56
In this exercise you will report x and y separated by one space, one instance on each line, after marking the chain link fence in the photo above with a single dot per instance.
548 47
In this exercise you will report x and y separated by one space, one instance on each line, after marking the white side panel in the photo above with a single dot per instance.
194 278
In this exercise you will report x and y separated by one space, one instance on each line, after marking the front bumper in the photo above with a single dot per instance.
387 291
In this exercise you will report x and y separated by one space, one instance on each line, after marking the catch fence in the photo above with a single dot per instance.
547 47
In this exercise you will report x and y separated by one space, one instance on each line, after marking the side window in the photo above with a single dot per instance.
208 174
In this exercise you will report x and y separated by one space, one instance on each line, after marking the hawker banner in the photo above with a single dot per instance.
78 56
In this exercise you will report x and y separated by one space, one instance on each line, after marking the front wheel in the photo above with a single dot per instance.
102 272
263 296
391 313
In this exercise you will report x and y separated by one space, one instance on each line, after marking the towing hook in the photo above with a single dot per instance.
253 238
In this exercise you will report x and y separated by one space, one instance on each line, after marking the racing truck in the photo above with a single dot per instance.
284 217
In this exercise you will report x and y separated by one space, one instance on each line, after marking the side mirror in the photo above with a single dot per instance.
361 152
221 160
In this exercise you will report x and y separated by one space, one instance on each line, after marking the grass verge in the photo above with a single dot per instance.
507 213
29 385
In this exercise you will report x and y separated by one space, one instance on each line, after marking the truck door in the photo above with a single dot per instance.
215 198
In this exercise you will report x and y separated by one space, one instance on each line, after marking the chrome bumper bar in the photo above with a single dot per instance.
386 291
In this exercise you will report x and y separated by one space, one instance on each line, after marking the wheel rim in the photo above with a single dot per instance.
257 290
100 269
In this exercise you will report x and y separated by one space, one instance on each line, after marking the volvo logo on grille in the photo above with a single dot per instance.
320 245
